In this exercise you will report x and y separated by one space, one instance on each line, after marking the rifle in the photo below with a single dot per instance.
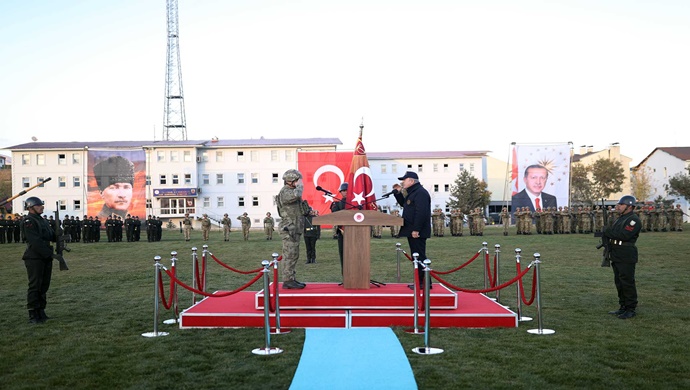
60 246
606 254
13 197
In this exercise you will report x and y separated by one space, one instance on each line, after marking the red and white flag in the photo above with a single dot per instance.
326 170
360 193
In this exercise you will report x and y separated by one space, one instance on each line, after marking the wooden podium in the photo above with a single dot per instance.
356 242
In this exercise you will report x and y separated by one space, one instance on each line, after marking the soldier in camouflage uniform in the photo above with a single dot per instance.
598 219
187 227
205 227
478 222
246 224
505 220
678 217
291 225
536 215
527 220
269 226
459 222
438 222
226 222
395 230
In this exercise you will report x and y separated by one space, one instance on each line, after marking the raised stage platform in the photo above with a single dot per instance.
329 305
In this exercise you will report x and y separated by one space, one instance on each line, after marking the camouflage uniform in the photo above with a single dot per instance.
246 224
678 217
186 227
505 220
291 224
269 225
599 219
227 227
205 227
395 230
439 222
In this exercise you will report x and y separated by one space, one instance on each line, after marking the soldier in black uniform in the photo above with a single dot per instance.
129 227
77 228
337 206
3 228
96 229
621 236
38 258
137 228
311 234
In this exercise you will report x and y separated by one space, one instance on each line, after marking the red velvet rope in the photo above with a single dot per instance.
203 271
508 283
271 299
468 262
234 269
522 290
161 291
225 294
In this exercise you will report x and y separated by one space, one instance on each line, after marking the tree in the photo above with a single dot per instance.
468 193
580 186
641 181
607 177
679 184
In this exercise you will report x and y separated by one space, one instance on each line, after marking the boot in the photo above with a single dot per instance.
42 315
618 312
35 317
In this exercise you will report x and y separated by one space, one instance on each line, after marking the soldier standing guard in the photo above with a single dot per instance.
311 234
227 224
205 227
269 226
678 217
246 224
395 230
187 227
505 220
291 226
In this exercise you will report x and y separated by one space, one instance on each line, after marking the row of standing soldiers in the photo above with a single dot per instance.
10 228
475 222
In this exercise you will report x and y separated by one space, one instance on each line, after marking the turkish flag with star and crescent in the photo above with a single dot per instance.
360 194
327 170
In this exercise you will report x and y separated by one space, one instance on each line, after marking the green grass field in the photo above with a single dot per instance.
102 305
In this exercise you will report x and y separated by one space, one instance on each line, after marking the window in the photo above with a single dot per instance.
435 187
26 159
240 178
446 187
409 167
240 201
419 168
162 180
174 156
40 159
40 180
160 156
62 159
148 180
383 168
26 182
471 167
219 156
254 156
187 156
274 155
175 179
62 182
76 158
187 178
220 201
206 202
76 205
384 188
435 167
219 178
62 205
204 156
445 167
205 179
274 178
462 167
240 156
76 181
255 178
255 201
394 168
288 155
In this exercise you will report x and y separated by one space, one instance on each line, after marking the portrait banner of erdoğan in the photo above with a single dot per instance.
116 183
326 170
540 176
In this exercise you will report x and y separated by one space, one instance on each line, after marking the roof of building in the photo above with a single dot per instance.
78 145
680 152
445 154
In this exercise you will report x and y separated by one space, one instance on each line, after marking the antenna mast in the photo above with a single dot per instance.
174 122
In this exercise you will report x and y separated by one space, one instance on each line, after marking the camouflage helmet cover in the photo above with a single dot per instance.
32 201
291 175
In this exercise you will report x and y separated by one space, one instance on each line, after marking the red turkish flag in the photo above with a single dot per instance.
514 173
325 169
360 194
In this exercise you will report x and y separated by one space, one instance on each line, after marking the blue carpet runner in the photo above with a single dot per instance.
355 358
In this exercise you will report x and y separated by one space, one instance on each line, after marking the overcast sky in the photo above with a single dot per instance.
425 75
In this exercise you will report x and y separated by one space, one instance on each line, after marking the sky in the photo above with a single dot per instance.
421 75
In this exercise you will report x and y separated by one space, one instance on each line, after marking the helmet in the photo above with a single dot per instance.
32 201
628 200
343 186
291 175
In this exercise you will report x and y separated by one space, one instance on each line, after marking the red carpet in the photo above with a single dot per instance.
325 305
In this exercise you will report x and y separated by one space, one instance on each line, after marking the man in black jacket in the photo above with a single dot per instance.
416 204
38 258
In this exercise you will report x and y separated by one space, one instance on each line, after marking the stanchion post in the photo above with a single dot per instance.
426 349
518 305
267 295
540 329
485 249
497 253
204 256
267 350
156 279
397 259
173 260
195 284
415 296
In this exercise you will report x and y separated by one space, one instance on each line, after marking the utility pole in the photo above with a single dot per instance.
174 121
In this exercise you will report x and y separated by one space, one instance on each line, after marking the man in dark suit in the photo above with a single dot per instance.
532 196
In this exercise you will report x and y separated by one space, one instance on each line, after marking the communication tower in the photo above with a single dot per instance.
174 122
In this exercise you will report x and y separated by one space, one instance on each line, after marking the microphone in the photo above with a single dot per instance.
319 188
387 194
